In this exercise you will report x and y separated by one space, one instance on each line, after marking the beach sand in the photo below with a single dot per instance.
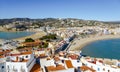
79 43
37 35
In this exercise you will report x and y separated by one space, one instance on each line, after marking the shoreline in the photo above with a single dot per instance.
79 43
36 35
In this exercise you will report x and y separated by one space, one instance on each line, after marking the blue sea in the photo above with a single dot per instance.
13 35
103 49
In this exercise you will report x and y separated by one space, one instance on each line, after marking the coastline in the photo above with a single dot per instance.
79 43
36 35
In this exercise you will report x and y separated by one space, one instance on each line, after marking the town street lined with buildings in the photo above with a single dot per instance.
61 55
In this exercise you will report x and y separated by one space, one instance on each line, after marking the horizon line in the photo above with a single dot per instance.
63 18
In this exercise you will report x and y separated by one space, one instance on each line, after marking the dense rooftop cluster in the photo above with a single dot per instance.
51 53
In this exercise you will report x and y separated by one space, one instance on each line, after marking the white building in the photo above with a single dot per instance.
99 66
17 62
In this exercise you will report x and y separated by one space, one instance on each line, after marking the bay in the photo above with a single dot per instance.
13 35
103 49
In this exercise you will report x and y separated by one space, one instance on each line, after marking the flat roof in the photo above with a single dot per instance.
69 64
53 68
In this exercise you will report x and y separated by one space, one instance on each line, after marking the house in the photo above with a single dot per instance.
17 61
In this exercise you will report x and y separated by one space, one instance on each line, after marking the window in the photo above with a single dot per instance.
98 69
103 69
26 56
8 67
78 61
2 67
62 61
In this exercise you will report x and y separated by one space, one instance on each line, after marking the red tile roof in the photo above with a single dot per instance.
42 56
23 53
1 56
26 53
69 64
15 54
19 61
31 43
25 49
36 68
53 68
73 56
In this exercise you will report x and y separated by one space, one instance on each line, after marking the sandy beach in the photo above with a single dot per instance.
37 34
79 43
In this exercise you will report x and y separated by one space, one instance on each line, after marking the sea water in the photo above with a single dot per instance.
103 49
13 35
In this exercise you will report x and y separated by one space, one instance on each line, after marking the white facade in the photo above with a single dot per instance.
18 66
2 67
65 70
100 67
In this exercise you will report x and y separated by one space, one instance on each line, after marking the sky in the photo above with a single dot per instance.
102 10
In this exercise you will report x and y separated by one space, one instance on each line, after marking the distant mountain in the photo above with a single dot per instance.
65 22
112 22
6 21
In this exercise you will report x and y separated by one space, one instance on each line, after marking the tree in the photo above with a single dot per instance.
20 47
29 40
43 45
0 44
49 37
